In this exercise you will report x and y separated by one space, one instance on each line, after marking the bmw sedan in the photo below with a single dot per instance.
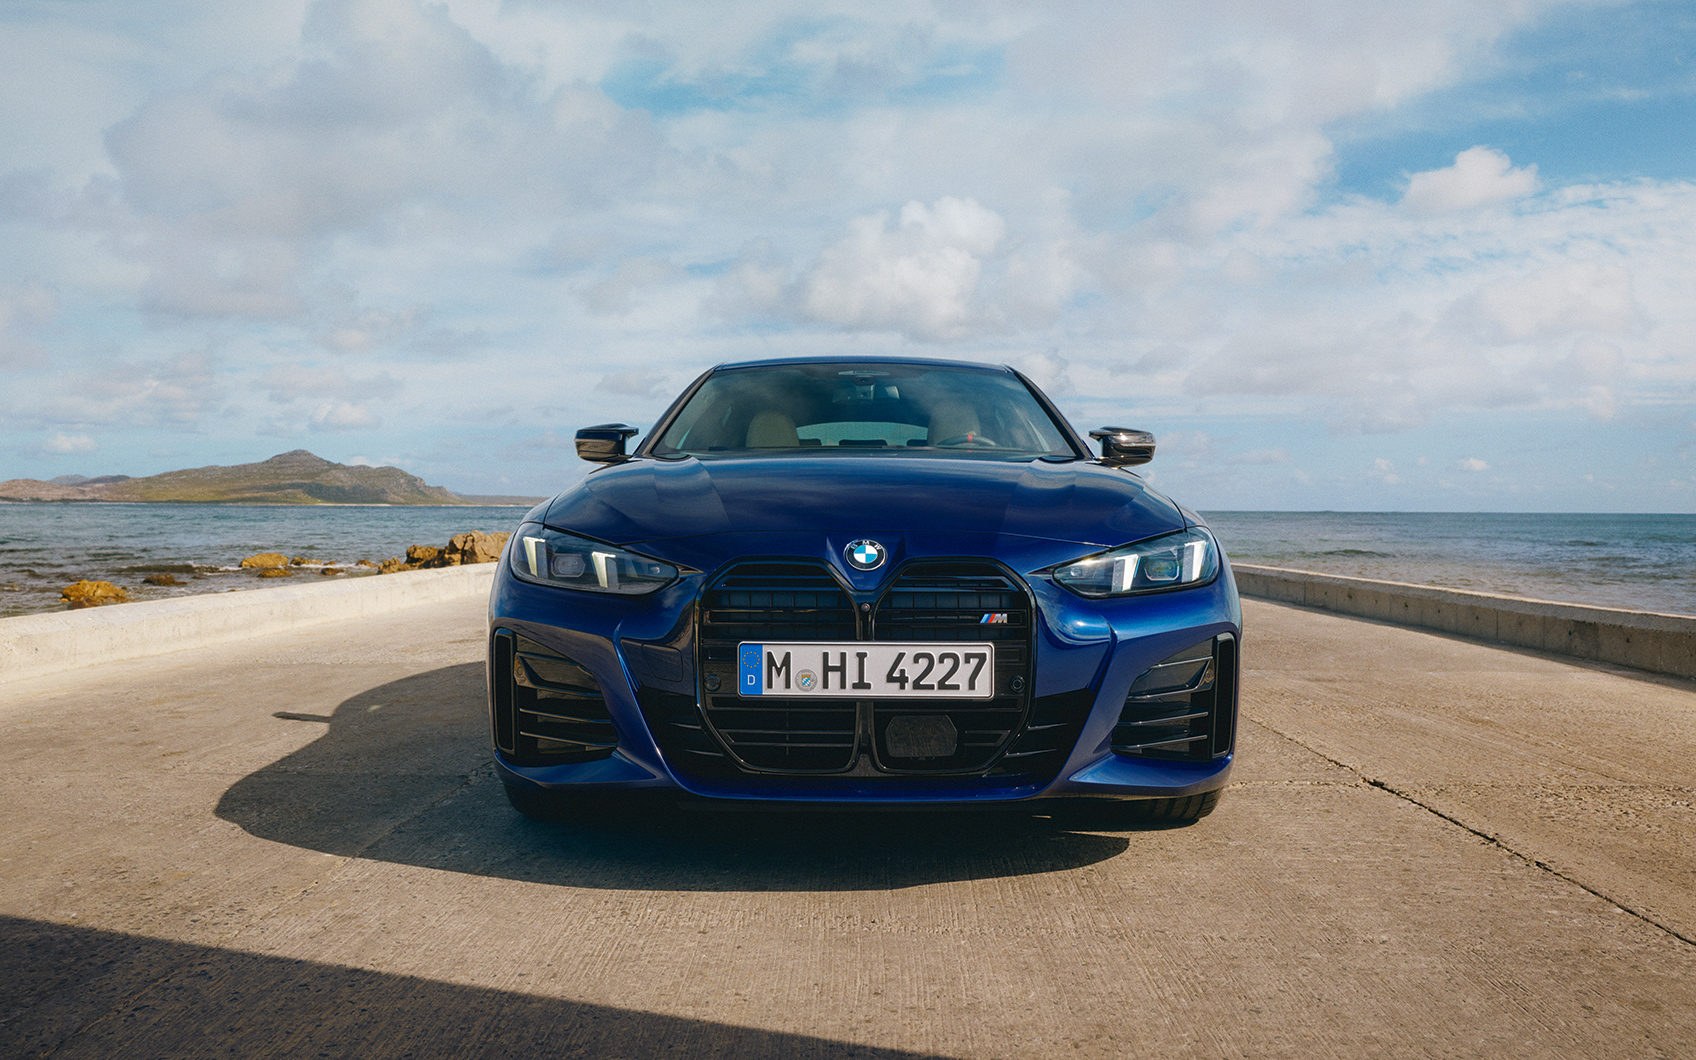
868 582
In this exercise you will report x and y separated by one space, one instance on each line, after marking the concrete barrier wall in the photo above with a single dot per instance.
1662 643
33 645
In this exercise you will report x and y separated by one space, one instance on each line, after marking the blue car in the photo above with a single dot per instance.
869 582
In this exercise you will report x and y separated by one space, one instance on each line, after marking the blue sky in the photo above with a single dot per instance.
1429 255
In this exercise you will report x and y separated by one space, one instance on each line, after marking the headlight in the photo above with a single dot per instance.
551 557
1188 557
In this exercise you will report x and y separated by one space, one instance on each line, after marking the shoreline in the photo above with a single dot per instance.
39 644
275 504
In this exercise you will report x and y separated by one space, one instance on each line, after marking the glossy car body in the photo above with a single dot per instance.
1128 697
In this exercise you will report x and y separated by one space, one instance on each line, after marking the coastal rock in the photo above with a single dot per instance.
474 546
276 572
299 561
86 593
330 570
162 579
390 565
364 563
265 560
422 556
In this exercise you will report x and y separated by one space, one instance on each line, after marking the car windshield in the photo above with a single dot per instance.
864 408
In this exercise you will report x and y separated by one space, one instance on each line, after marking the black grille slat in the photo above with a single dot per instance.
547 708
1183 706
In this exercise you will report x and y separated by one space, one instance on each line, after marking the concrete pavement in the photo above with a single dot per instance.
294 846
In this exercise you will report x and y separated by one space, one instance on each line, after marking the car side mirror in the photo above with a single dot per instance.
604 443
1124 447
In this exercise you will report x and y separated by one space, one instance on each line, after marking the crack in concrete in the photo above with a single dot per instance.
1493 840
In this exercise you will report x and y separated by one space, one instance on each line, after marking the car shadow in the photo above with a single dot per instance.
403 773
80 991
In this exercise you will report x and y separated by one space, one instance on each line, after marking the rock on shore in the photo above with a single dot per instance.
473 546
87 593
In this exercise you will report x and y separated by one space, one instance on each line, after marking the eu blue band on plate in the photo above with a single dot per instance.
748 661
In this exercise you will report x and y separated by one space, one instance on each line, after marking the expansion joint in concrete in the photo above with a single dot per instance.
1492 840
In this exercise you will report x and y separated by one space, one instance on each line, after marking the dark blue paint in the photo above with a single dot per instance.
702 514
647 500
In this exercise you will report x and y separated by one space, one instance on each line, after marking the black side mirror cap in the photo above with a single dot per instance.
1123 446
604 442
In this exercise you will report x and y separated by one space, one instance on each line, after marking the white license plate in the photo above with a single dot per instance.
866 670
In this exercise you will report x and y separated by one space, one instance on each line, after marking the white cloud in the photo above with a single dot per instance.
180 391
1383 472
568 209
1479 177
288 382
1472 464
1280 455
917 274
1559 301
24 307
343 416
64 444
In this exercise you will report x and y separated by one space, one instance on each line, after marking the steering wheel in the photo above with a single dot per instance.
973 441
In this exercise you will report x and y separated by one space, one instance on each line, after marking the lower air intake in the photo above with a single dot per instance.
547 709
1184 706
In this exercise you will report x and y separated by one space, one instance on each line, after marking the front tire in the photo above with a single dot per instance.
533 803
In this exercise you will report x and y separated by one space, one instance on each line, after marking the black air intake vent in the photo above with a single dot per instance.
1183 707
547 708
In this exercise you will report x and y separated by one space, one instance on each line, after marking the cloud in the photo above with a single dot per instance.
64 444
1279 455
1472 464
566 209
288 382
617 293
343 416
1563 300
179 391
390 122
24 307
1479 177
916 273
637 382
1383 472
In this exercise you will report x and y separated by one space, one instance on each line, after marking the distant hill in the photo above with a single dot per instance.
296 477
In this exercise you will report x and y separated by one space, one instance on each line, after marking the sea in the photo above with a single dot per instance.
1638 562
46 546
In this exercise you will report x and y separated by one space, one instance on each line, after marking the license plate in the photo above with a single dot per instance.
867 670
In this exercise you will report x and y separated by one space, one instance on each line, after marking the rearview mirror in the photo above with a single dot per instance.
604 443
1124 447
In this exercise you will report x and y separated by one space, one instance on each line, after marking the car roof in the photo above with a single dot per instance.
934 362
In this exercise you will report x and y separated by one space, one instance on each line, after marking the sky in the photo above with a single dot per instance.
1336 254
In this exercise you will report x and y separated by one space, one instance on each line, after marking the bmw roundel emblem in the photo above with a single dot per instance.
865 555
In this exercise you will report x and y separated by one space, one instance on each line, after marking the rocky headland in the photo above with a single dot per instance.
296 477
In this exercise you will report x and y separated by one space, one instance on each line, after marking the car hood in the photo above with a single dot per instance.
653 500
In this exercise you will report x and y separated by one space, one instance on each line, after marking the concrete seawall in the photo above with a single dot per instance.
1660 643
34 645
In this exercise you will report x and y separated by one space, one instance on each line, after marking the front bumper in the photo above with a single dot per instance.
648 660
